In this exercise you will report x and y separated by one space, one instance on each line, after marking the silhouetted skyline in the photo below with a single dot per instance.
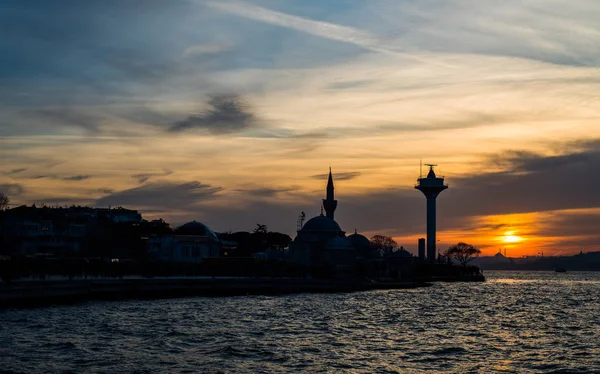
231 112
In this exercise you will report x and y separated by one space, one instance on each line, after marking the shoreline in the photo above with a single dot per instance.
37 293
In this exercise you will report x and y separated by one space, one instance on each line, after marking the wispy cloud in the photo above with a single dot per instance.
206 49
339 176
144 177
163 195
321 29
76 178
318 28
67 117
16 171
229 113
266 191
69 178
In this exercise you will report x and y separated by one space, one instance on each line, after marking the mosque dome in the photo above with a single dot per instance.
359 241
196 228
321 224
339 243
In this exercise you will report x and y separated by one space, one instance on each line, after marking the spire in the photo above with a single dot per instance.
329 203
330 186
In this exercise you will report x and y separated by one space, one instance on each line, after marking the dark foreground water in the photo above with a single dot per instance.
516 322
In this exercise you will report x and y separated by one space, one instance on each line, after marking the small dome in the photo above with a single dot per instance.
339 244
359 241
196 228
321 224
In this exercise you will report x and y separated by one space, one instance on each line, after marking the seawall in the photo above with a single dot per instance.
31 293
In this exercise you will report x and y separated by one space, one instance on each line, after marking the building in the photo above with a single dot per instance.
70 231
119 215
321 242
30 230
321 245
191 243
322 248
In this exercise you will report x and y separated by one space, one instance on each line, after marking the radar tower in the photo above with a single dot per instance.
431 186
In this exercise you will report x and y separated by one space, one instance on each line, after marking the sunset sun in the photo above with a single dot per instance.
510 238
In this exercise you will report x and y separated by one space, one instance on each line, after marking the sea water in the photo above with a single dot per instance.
516 322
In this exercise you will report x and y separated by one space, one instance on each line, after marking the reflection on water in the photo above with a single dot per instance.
515 322
545 277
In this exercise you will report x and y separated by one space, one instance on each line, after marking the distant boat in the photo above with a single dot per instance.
560 270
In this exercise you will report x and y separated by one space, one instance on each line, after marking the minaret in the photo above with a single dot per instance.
431 188
329 203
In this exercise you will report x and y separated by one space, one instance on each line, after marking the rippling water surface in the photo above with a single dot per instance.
515 322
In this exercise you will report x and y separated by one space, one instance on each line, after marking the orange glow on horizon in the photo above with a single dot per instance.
523 234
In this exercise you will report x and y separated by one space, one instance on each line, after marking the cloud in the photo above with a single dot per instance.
15 171
311 135
266 191
338 176
12 189
552 31
571 223
463 120
162 195
70 178
351 84
144 177
530 183
321 29
525 161
77 178
67 117
229 114
204 49
317 28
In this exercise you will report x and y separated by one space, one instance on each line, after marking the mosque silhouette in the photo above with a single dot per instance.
321 243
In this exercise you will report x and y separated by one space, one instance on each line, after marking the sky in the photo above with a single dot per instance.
232 112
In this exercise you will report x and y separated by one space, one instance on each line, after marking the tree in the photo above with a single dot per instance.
462 252
249 243
4 200
383 244
260 229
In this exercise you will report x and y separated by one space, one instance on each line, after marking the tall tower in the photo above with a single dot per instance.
422 249
431 186
329 203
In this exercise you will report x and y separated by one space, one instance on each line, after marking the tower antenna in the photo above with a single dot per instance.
421 168
300 222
